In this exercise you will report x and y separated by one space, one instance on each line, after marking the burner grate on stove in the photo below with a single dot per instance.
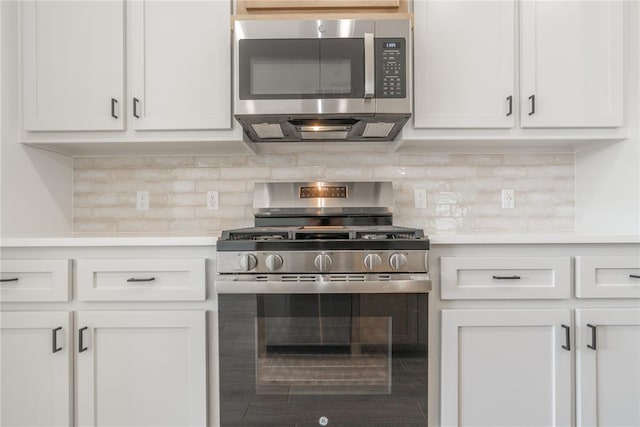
385 235
257 235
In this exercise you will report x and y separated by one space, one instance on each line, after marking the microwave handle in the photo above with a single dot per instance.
369 66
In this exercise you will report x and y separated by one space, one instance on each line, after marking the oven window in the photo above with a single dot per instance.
301 68
290 359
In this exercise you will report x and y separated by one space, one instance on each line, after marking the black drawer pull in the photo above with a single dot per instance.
148 279
633 276
13 279
81 341
592 346
510 101
567 331
507 277
54 340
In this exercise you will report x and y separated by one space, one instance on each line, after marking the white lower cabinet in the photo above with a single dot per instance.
35 357
141 368
608 367
506 367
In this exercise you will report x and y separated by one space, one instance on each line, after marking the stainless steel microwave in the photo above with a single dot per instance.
338 79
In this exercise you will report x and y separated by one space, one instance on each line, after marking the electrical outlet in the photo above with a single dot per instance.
508 199
212 200
142 201
420 198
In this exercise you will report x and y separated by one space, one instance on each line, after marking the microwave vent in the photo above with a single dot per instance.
267 130
329 135
377 130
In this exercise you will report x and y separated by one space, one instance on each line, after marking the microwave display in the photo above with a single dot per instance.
391 74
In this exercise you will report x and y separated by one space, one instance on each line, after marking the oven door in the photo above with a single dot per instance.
304 67
347 359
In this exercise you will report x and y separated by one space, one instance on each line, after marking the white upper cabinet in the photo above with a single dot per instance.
180 65
464 62
571 63
73 65
570 68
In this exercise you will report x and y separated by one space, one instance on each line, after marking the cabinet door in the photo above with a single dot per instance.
608 364
73 65
464 65
571 63
141 368
35 361
505 368
180 64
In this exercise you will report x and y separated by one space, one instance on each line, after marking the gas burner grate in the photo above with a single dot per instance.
378 235
258 235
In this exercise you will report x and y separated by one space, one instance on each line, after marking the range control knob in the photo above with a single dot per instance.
273 262
398 261
247 262
371 261
322 262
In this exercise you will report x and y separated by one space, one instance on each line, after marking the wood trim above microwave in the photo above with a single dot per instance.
248 7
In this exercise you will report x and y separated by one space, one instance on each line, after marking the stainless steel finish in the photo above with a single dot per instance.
283 198
322 284
369 66
398 261
326 135
302 262
323 128
247 262
372 261
358 108
322 262
273 262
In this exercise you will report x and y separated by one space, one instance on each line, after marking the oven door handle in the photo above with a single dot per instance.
415 284
369 66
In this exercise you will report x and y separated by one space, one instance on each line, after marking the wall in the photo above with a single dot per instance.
463 189
35 185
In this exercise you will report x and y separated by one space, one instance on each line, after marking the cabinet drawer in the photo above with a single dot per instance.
34 280
141 279
608 276
505 277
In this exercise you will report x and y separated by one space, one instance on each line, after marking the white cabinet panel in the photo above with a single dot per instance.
181 64
505 277
144 368
608 276
35 280
35 381
73 65
505 368
571 63
141 279
464 64
608 379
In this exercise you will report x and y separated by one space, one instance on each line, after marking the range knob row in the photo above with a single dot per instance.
322 262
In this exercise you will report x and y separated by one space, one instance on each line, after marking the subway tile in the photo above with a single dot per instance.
220 161
301 173
257 172
118 162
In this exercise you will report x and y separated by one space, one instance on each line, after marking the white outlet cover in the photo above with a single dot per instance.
142 201
508 199
212 200
420 198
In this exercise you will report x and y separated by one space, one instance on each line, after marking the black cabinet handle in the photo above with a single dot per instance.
567 331
135 108
510 101
633 276
507 277
148 279
12 279
54 340
592 346
114 102
81 341
532 108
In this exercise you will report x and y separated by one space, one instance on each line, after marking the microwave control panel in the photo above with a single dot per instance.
391 64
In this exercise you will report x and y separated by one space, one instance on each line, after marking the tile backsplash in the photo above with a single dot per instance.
463 190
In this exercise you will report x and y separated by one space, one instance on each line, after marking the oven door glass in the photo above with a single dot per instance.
301 68
352 359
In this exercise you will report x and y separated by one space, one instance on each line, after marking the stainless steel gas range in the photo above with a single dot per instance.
323 310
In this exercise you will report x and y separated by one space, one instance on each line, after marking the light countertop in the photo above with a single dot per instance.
451 239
